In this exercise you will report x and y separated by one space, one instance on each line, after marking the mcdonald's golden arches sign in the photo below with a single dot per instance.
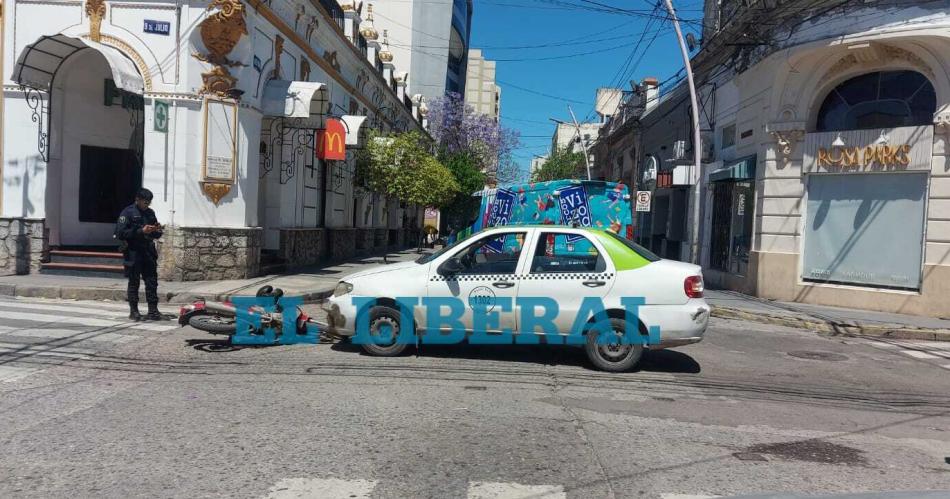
331 141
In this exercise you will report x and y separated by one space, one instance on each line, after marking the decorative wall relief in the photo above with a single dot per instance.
220 33
312 26
95 11
330 56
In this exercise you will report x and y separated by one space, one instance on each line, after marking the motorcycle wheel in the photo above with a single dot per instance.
213 324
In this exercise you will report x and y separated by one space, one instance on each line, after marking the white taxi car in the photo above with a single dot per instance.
565 264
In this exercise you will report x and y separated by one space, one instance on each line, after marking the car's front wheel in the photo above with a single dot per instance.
606 349
384 323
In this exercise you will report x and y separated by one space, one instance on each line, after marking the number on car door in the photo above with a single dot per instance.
489 267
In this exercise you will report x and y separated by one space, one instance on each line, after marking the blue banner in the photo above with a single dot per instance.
574 207
501 208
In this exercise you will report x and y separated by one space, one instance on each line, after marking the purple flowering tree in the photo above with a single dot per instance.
459 130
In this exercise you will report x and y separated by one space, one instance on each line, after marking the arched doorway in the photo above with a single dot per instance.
92 95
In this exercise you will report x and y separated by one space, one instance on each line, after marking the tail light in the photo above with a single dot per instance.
630 232
693 285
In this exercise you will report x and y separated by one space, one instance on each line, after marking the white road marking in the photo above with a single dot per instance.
686 496
82 321
76 309
13 373
885 346
919 355
70 334
511 490
321 488
946 366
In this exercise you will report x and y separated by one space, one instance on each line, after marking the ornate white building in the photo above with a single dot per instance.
217 108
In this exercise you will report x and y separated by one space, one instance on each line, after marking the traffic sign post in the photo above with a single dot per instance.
160 118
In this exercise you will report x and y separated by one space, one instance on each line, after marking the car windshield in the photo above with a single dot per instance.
640 250
432 256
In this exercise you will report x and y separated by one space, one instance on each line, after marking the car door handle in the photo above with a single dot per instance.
503 284
594 284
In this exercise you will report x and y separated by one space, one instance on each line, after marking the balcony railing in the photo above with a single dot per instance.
333 8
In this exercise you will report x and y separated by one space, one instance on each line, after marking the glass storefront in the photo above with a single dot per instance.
732 217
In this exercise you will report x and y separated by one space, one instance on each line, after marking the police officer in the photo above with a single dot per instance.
137 228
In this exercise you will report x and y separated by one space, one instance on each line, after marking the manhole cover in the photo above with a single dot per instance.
804 354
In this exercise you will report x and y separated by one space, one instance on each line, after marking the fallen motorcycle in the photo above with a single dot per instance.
262 322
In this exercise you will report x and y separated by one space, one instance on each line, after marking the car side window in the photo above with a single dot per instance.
561 252
497 254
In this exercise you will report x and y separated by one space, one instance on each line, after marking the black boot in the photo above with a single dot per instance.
134 314
153 313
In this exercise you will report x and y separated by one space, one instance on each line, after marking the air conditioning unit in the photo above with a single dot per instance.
679 149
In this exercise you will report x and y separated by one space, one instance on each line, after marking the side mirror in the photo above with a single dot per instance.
451 266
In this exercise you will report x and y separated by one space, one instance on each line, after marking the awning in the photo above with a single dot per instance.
38 62
294 99
353 124
743 169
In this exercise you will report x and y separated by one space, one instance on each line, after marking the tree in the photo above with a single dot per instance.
402 166
464 167
564 163
457 128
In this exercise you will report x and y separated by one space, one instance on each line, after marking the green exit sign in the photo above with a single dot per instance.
160 118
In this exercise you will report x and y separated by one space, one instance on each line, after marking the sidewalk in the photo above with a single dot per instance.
834 320
313 283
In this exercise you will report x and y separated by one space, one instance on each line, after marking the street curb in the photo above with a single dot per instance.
172 298
834 328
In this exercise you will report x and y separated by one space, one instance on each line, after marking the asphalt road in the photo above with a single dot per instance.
105 410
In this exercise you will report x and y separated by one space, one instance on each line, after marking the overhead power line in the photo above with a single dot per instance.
542 94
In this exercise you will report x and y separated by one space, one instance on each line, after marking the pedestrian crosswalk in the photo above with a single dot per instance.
935 352
338 488
36 334
343 488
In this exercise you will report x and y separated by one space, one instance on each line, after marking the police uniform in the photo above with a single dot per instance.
140 255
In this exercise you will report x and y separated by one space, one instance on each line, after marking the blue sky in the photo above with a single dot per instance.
504 28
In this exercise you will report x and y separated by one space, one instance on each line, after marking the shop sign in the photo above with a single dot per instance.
331 141
643 200
897 149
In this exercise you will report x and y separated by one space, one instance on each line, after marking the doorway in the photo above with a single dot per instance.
97 138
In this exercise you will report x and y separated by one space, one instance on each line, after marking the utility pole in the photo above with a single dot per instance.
697 140
580 138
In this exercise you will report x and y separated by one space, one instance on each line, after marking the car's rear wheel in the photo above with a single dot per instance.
612 354
384 323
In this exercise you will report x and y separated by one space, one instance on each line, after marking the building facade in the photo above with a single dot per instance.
243 119
831 181
481 91
429 40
